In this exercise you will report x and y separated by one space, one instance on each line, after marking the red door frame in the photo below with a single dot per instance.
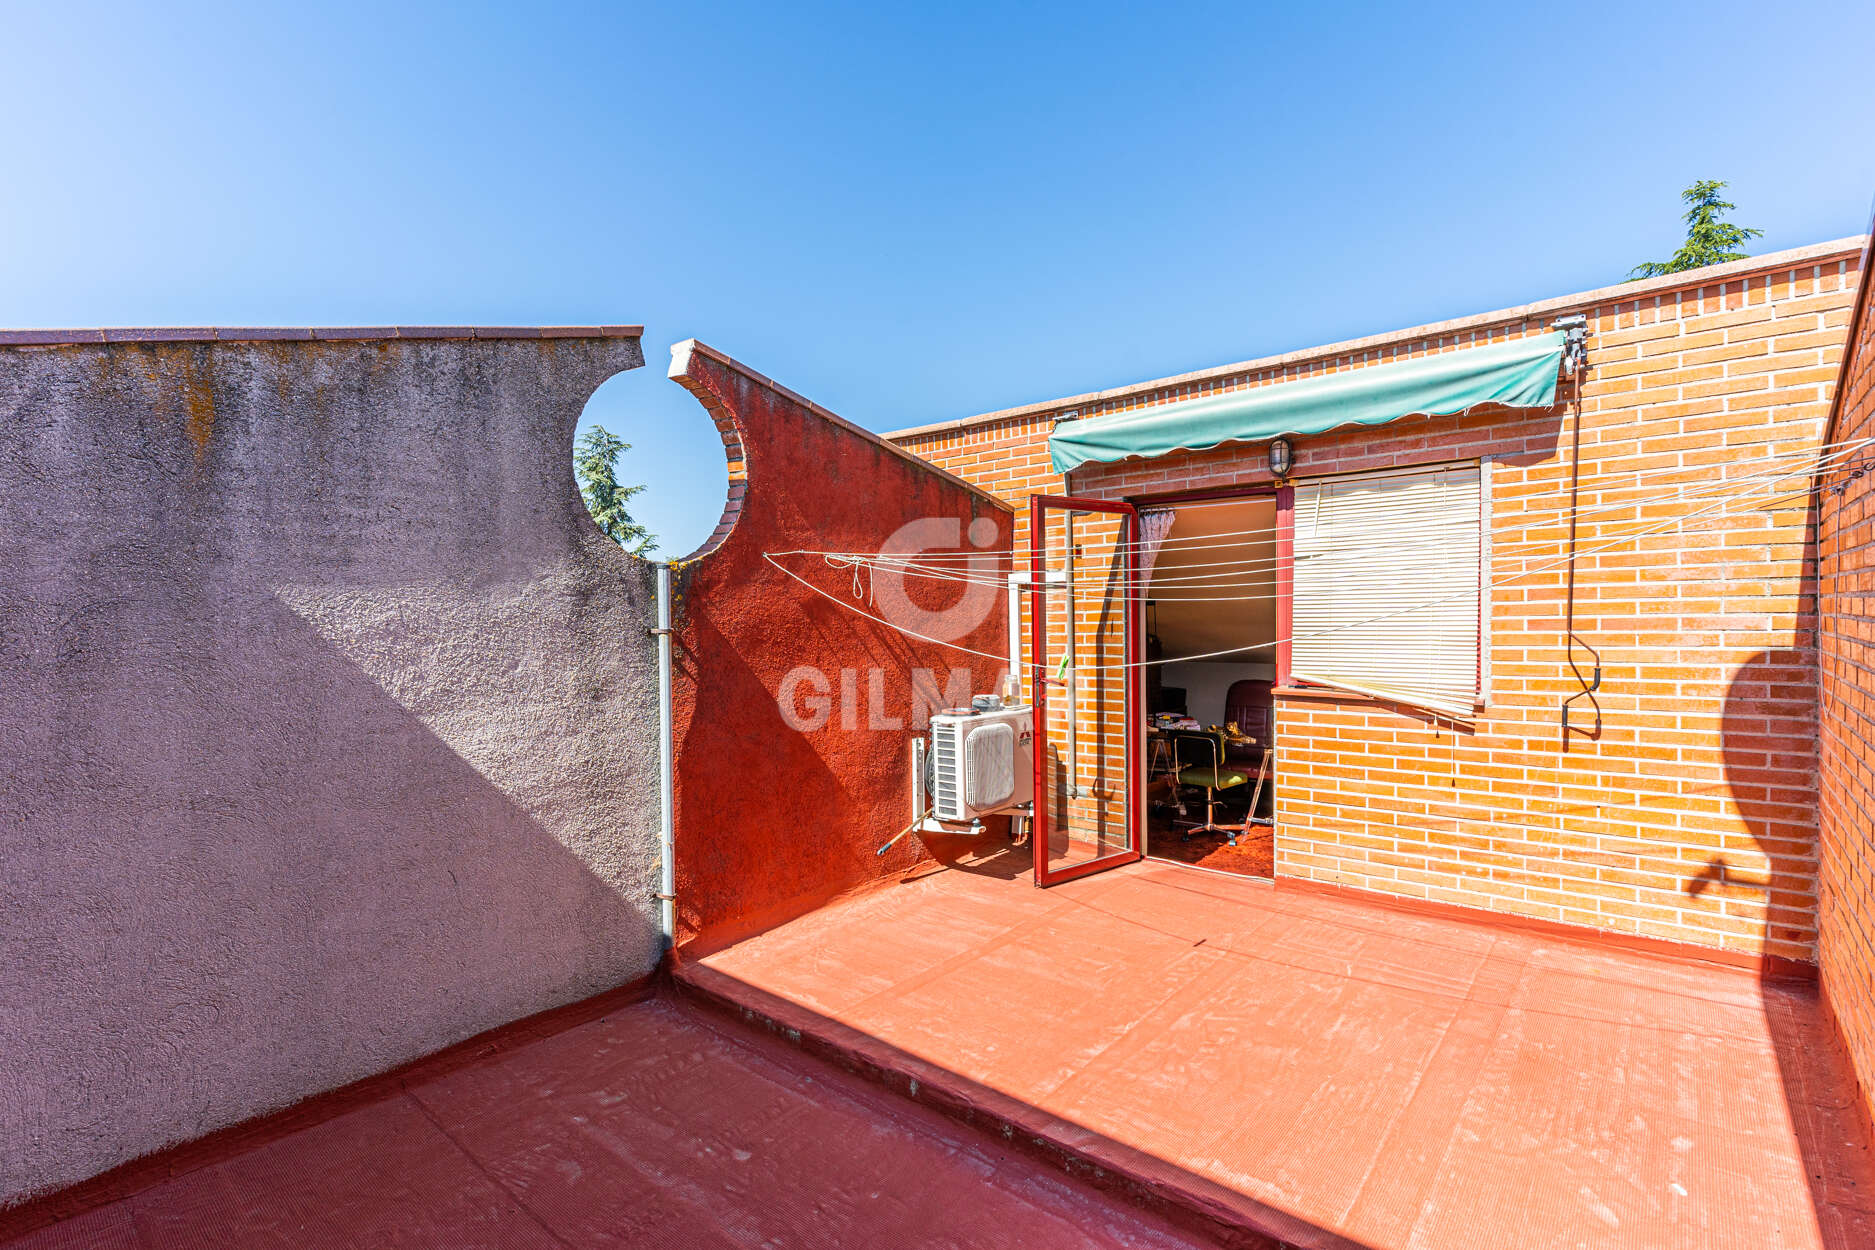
1040 681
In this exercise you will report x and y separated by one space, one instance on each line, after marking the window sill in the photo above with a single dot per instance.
1322 692
1332 695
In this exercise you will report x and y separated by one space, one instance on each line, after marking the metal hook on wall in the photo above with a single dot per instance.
1852 472
1587 692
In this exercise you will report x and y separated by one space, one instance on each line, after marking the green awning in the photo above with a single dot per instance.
1519 374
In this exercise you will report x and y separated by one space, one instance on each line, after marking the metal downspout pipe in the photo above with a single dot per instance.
667 808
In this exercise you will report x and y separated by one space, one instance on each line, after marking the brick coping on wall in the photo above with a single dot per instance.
1849 340
1622 293
304 334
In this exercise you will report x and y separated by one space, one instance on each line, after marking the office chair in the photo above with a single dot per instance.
1250 705
1209 772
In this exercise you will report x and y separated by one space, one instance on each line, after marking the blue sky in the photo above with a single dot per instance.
905 212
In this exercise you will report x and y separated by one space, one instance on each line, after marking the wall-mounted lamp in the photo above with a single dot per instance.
1282 457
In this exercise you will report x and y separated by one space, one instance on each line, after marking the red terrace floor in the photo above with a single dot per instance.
652 1127
1325 1069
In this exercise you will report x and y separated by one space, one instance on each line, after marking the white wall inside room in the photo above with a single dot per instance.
1214 588
1206 685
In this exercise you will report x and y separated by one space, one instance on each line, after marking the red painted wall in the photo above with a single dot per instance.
773 819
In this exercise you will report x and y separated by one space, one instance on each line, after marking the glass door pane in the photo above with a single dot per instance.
1082 602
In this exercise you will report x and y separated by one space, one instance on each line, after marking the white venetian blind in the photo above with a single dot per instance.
1387 593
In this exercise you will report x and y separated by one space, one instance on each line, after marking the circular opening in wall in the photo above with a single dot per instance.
650 465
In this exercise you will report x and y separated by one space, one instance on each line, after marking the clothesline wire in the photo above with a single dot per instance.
921 568
1720 507
1166 587
1837 452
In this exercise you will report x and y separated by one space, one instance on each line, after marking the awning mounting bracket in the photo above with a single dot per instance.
1575 328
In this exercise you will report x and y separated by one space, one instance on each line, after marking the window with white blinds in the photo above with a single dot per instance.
1387 597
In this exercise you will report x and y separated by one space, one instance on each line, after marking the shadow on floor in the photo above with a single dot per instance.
655 1125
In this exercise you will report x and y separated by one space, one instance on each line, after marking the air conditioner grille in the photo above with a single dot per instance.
989 765
946 797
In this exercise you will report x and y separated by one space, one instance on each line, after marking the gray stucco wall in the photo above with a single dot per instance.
327 725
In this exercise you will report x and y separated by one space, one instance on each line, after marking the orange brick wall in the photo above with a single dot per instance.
1846 576
1691 816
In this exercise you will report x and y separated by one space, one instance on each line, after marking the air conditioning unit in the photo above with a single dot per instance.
982 762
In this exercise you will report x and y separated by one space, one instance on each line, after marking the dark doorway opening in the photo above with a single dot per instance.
1209 734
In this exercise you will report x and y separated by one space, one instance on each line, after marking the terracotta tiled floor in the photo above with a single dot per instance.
1346 1071
652 1127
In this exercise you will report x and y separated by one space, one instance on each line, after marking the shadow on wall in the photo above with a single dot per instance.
415 902
775 817
330 721
793 710
1770 703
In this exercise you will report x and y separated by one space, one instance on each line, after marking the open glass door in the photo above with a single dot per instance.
1083 610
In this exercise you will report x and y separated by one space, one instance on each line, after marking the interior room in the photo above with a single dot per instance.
1210 622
